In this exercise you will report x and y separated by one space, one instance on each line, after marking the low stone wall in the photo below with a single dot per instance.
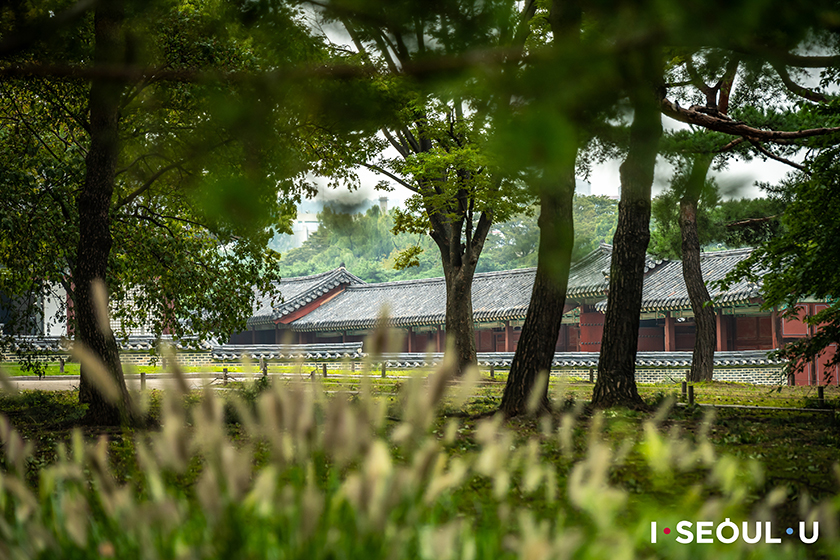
185 358
12 358
575 365
200 358
755 375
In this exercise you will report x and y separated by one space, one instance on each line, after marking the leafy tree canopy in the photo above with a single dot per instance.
722 224
796 263
367 246
213 154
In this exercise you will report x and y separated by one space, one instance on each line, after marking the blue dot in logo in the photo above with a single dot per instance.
789 531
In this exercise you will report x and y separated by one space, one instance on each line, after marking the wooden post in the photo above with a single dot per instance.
684 389
142 380
815 379
821 395
720 334
262 363
61 366
492 371
224 376
691 395
352 367
670 333
324 369
383 369
591 375
776 328
265 369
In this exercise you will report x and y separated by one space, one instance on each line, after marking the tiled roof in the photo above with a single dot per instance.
590 276
585 359
338 351
665 288
133 343
297 292
496 296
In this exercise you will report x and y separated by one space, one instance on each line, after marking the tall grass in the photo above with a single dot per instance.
303 474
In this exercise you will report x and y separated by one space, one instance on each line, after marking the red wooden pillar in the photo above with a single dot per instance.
410 340
438 339
300 338
343 336
670 333
720 331
508 337
776 328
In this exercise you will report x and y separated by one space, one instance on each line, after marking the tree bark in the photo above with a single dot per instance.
702 363
538 340
459 314
616 384
94 205
460 239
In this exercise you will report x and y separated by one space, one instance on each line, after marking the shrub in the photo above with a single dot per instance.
310 475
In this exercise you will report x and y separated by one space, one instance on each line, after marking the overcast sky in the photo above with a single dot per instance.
737 181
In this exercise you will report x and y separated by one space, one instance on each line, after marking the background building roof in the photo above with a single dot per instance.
297 292
590 276
496 296
665 288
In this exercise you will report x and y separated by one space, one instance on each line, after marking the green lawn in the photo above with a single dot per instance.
305 468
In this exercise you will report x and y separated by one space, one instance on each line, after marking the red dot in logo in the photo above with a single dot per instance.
667 531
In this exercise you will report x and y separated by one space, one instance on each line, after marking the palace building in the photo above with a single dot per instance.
336 306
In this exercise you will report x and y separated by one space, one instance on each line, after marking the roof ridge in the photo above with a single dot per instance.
311 276
435 279
333 272
727 252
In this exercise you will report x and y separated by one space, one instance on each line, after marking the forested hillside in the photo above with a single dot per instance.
365 243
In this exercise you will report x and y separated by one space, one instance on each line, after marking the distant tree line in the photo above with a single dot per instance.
366 244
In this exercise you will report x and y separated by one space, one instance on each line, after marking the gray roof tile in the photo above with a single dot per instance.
586 359
297 292
665 287
496 296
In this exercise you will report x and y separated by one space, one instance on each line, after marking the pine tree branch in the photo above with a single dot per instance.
796 89
726 125
378 169
778 158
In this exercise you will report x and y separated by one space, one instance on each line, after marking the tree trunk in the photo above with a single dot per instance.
616 384
459 314
538 340
94 204
460 241
702 363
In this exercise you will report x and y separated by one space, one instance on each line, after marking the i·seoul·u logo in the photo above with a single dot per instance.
728 532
